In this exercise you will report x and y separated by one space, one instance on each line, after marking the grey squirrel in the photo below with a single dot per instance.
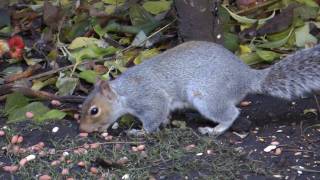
200 75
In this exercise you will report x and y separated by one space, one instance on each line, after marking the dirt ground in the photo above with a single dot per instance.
293 127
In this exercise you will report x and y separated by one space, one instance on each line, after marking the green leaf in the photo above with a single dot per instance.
80 42
92 52
78 29
14 101
275 44
53 114
37 108
311 3
157 7
306 12
99 30
146 54
126 120
250 58
114 2
139 16
89 76
304 37
267 55
12 70
231 41
245 20
110 9
66 85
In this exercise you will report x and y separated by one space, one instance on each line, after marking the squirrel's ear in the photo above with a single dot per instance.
105 88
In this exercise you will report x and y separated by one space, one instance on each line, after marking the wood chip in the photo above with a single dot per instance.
10 169
45 177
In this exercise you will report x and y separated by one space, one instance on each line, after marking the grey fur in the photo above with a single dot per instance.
207 77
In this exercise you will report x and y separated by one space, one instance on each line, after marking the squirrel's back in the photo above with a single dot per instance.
196 63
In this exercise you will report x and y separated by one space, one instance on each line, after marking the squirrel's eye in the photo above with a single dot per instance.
94 111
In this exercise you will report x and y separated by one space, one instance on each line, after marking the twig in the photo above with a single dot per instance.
318 106
150 36
64 68
46 95
27 73
259 6
300 168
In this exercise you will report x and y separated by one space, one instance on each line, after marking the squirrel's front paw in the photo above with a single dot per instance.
136 132
209 131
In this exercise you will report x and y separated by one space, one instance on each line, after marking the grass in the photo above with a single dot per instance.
165 157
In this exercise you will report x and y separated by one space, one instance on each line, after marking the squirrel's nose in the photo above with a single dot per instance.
86 128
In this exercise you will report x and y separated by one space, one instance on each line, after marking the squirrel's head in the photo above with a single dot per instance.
97 112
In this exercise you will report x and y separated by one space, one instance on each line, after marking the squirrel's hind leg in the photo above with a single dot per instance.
217 111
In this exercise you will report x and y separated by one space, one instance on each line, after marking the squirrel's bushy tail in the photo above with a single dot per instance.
293 76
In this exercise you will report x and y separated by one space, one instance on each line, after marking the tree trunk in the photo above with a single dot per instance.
198 20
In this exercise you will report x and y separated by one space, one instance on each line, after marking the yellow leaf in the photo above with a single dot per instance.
244 49
80 42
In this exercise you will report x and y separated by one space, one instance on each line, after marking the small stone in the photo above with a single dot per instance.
52 151
115 125
190 147
275 143
297 153
210 151
108 138
55 129
76 116
83 134
93 170
94 145
81 164
2 133
270 148
29 115
45 177
20 139
126 176
134 149
65 153
65 171
23 162
105 134
41 144
56 103
245 103
141 147
278 151
42 153
199 154
31 157
14 139
277 176
55 163
123 160
10 169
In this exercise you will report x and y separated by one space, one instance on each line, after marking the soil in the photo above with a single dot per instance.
293 126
